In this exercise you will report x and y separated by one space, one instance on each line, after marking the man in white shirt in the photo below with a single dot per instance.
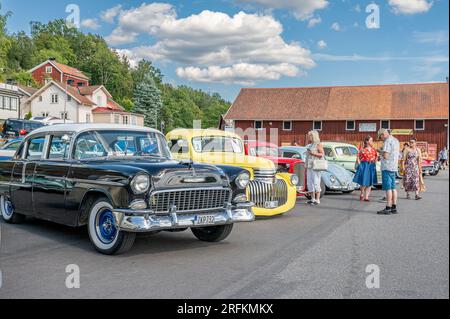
390 155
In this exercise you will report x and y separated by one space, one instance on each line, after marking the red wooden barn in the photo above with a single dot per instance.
345 113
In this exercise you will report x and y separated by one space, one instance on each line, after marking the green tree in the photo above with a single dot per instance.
147 101
145 68
5 42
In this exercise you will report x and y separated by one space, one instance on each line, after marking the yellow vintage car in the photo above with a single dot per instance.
272 193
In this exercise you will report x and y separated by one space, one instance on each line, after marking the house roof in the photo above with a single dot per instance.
28 90
397 101
73 92
69 70
114 105
89 90
64 69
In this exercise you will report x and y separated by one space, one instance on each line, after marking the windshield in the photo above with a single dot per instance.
264 151
346 151
217 144
96 144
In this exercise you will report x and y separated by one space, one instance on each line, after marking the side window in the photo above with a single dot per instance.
35 148
180 146
328 152
58 149
18 154
288 154
13 146
87 145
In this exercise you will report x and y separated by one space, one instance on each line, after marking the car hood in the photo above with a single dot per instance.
341 173
245 161
282 160
153 166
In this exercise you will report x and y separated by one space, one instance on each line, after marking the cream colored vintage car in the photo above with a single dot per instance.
272 193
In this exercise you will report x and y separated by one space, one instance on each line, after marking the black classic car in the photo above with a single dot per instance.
119 181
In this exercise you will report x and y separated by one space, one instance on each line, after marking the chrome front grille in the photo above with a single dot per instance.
190 200
262 193
266 175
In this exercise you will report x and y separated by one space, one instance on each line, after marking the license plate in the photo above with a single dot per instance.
204 219
271 204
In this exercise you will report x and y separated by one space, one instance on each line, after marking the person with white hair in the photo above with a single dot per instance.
315 152
390 155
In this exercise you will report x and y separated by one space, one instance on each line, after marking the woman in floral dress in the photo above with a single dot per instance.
412 161
366 175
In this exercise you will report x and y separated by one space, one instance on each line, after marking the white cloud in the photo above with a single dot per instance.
314 21
410 6
321 44
90 24
110 14
147 18
212 46
336 27
302 9
120 37
241 73
434 37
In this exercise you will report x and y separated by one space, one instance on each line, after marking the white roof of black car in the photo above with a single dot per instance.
91 126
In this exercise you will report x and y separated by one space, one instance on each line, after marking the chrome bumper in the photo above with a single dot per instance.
147 221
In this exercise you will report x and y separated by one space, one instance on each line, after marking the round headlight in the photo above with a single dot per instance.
140 184
242 180
295 180
333 179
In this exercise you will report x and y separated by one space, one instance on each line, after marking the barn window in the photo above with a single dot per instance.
419 125
258 125
48 69
350 126
385 124
317 125
287 126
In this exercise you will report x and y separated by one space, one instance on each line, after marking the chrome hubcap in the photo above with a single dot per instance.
106 229
8 208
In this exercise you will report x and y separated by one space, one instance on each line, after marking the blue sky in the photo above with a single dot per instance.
224 45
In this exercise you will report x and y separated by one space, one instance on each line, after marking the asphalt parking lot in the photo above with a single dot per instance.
311 252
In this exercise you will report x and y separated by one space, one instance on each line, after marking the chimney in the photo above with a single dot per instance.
52 59
10 81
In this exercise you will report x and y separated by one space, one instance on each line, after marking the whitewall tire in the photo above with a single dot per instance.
8 213
105 236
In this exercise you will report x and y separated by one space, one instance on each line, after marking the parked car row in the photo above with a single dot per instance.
120 180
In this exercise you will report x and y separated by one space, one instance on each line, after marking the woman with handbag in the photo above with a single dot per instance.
412 168
366 175
315 164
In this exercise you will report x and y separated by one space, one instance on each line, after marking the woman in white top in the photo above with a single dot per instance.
315 151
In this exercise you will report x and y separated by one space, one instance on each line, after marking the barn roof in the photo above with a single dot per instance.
397 101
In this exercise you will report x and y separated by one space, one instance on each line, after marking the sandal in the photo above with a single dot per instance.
361 197
418 197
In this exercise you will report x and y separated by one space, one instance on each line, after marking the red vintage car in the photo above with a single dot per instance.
285 165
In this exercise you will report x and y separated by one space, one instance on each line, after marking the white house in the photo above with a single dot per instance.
9 101
79 104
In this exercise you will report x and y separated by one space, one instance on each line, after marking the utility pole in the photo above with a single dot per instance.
65 105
